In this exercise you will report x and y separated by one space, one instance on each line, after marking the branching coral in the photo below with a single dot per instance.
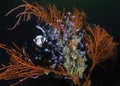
49 14
21 68
100 46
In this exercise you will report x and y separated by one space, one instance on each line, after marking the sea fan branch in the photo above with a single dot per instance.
49 14
100 46
21 68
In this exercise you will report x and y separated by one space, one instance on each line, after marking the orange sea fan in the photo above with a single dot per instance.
80 19
49 14
100 46
19 67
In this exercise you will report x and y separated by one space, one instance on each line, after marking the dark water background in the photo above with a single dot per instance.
106 13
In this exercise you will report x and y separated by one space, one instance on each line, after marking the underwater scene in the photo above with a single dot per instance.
59 43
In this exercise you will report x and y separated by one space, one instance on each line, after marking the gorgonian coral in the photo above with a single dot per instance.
66 37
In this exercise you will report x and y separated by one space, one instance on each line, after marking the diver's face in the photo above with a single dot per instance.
39 40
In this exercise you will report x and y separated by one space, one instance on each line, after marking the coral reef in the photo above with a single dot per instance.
70 42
